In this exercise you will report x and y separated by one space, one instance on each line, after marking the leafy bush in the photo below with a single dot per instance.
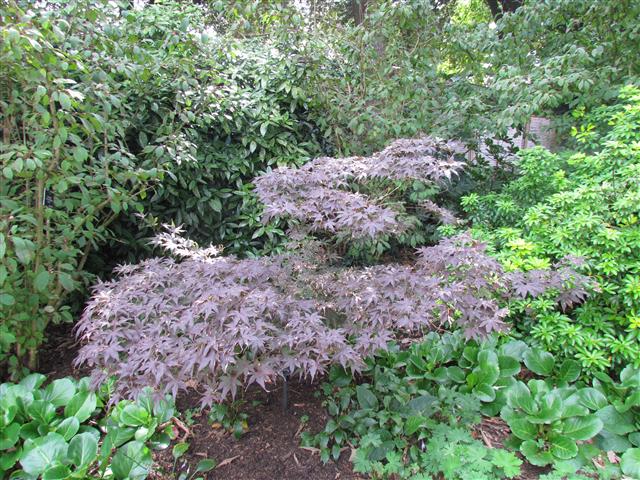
51 432
67 170
224 322
399 413
584 204
127 118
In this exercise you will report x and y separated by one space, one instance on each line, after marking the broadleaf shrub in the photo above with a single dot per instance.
584 203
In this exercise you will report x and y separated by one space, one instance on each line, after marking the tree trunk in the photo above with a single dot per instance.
498 7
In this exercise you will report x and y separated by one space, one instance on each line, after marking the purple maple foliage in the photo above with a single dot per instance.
318 193
218 323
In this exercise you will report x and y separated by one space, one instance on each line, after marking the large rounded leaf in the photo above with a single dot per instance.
569 371
45 452
509 366
33 381
59 392
630 463
135 416
42 411
68 428
520 397
523 429
132 461
9 436
582 428
592 399
83 449
563 447
81 405
539 361
616 422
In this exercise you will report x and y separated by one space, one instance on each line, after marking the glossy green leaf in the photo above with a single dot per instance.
45 452
81 405
539 361
83 449
582 428
630 463
59 392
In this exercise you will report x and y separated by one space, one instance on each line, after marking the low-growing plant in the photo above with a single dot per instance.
230 417
183 471
443 381
620 413
219 323
65 430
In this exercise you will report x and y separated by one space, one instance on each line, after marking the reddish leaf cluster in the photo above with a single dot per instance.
318 193
218 324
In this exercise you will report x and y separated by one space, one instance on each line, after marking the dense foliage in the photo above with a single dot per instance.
121 119
118 117
406 413
65 430
219 323
584 203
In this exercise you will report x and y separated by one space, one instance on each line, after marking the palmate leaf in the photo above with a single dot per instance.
507 462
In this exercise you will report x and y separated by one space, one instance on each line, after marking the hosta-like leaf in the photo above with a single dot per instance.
630 462
563 447
509 366
366 398
134 415
608 441
616 422
9 436
539 361
413 424
45 452
132 461
59 392
83 449
519 396
485 392
68 428
569 371
592 398
523 429
81 405
582 428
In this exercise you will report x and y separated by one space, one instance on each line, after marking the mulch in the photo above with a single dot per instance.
270 449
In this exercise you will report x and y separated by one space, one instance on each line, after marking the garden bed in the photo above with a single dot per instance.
270 448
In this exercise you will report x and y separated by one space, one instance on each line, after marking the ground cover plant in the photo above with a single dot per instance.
65 430
410 413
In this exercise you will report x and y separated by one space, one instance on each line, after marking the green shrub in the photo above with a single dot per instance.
65 430
66 169
125 119
584 204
